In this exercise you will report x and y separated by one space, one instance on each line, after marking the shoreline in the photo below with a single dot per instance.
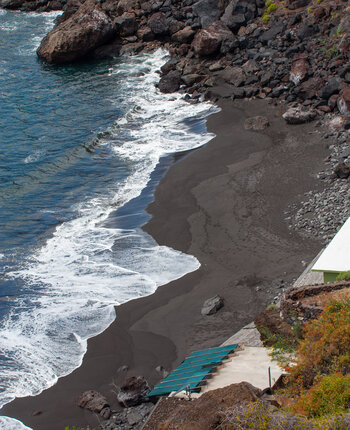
242 244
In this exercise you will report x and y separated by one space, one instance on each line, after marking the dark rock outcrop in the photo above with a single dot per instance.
133 391
93 401
239 13
78 36
170 82
299 116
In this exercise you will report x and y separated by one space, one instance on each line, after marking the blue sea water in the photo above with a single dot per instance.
81 150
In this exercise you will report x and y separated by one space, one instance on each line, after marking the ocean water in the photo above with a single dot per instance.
81 151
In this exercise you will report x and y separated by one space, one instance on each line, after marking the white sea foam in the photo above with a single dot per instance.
32 158
12 424
85 268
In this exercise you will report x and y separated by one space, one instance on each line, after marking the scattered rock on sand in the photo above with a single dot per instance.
133 391
298 116
212 305
256 123
93 401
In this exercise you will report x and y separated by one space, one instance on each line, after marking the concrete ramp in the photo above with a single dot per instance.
250 364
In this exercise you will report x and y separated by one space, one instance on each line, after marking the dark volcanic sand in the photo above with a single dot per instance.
224 204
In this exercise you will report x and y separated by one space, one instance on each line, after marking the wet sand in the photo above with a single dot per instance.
224 204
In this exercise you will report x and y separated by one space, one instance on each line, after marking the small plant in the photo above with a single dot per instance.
325 348
272 307
271 8
265 18
330 395
309 10
268 3
343 276
319 1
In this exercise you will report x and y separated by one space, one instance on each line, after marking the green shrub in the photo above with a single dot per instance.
325 348
343 276
309 10
330 395
272 307
268 3
272 8
265 18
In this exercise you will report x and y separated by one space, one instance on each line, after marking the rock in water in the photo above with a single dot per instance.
212 305
93 401
80 34
298 116
170 82
133 391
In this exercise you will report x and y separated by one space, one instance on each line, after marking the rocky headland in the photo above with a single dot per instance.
295 54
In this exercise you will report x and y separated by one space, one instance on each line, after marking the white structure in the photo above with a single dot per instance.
336 257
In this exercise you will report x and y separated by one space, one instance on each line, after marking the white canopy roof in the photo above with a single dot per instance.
336 257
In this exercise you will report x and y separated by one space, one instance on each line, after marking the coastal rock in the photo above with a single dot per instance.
233 75
309 89
184 36
76 37
93 401
332 87
126 24
158 24
299 71
343 101
238 13
212 305
33 5
207 41
298 116
133 391
170 82
207 11
256 123
342 171
296 4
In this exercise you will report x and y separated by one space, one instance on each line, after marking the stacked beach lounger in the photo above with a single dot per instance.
193 371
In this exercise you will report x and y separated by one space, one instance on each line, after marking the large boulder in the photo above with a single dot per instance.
79 35
126 24
208 11
239 13
332 87
170 82
133 391
343 101
93 401
184 36
212 305
299 70
309 89
158 23
233 75
208 40
299 116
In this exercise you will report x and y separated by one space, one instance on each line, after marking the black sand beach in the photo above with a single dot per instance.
224 204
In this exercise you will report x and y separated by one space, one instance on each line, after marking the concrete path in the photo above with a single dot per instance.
249 364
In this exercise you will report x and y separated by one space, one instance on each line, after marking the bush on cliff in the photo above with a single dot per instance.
330 395
325 348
